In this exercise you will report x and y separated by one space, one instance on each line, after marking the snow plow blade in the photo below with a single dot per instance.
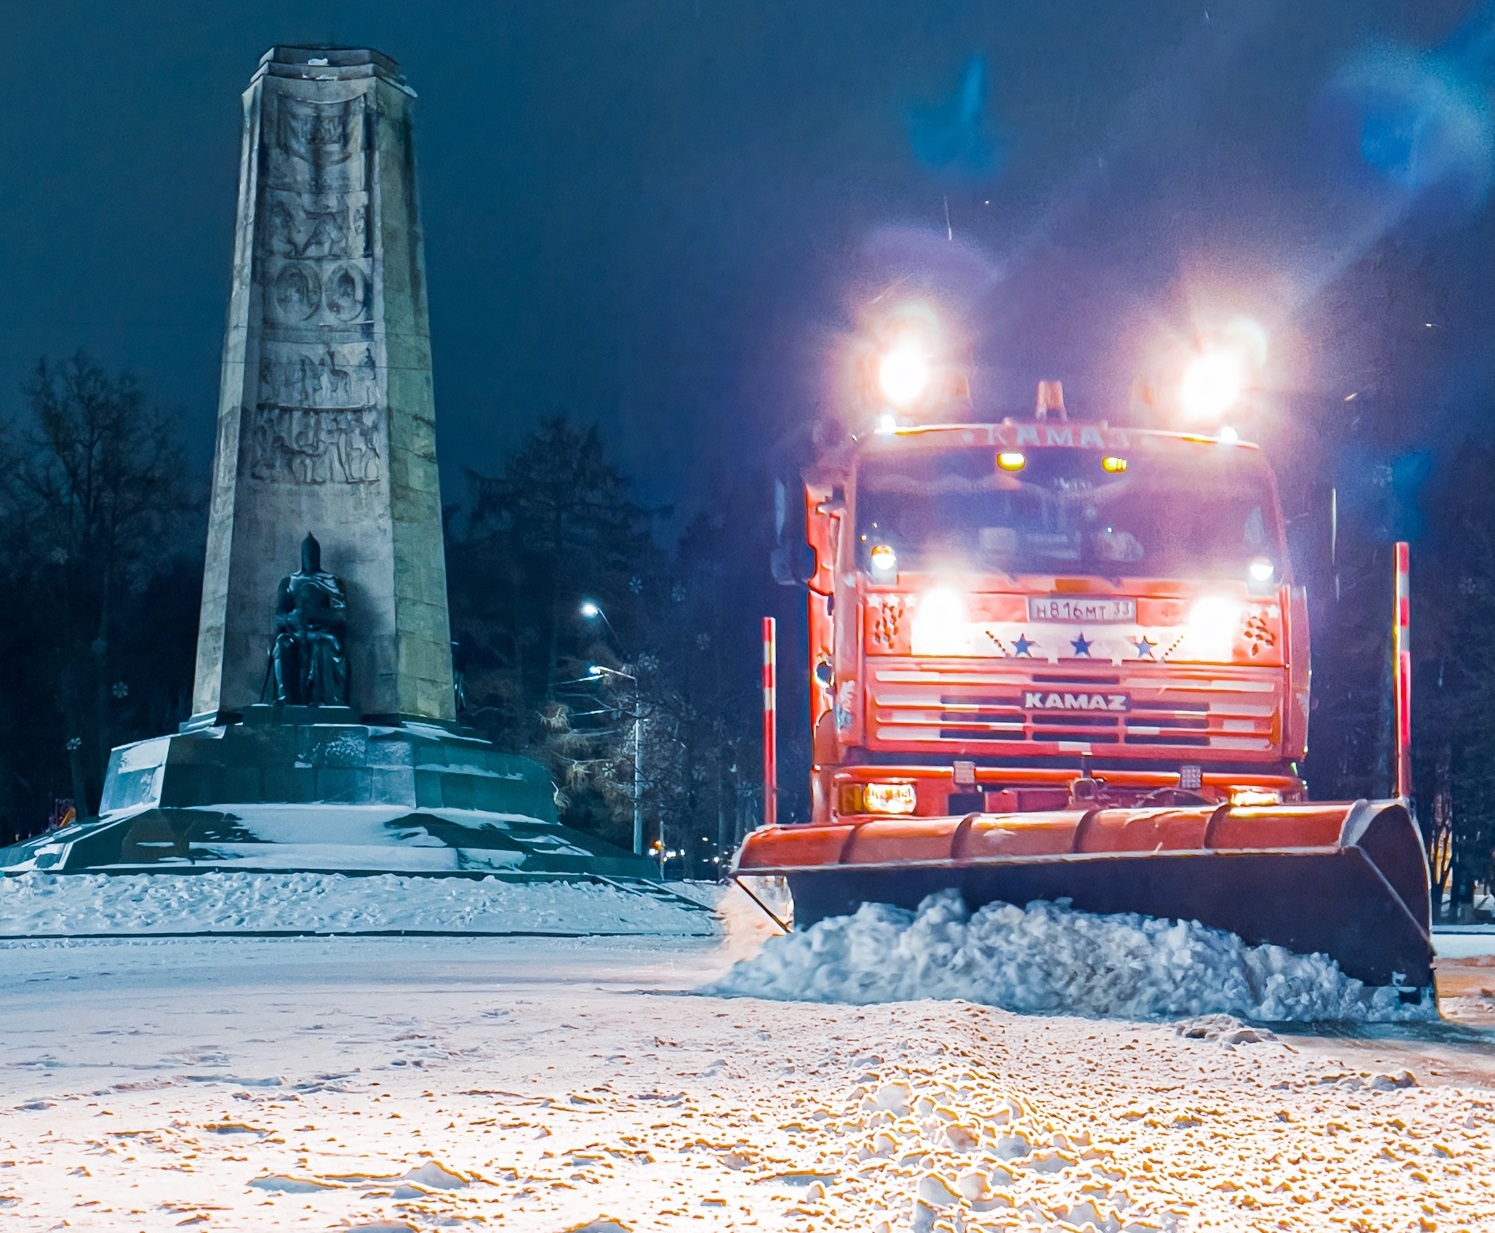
1346 881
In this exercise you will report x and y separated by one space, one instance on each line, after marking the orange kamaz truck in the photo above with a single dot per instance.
1054 659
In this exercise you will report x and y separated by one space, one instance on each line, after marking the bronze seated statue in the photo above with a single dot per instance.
309 657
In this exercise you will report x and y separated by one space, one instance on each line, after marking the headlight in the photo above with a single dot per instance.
1011 460
889 797
1259 575
883 563
939 624
1254 796
1211 628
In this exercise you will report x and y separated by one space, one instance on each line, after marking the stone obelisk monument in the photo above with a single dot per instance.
325 426
325 418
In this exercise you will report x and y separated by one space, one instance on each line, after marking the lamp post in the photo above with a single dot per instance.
638 755
592 611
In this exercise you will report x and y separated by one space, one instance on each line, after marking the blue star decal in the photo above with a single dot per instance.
1080 645
1023 647
1145 647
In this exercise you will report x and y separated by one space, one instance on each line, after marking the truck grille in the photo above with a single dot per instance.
965 705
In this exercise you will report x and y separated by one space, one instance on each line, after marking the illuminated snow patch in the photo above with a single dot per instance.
1048 958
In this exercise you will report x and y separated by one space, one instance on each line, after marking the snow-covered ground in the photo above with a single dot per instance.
1457 943
236 901
565 1084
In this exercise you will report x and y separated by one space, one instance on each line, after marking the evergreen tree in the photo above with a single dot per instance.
556 529
677 641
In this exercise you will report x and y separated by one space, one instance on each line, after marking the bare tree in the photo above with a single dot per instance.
96 486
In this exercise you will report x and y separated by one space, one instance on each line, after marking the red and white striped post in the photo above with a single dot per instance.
770 723
1401 650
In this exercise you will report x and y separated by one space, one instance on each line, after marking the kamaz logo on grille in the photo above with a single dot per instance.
1043 700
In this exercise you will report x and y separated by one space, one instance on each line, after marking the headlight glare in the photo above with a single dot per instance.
939 624
1211 628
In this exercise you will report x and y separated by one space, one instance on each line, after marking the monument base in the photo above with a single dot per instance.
286 791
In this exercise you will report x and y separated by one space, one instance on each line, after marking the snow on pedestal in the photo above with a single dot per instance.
412 798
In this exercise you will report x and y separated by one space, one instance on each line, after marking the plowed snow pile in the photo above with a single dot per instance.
1046 958
34 904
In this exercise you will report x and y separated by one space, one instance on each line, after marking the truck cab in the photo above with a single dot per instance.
1025 615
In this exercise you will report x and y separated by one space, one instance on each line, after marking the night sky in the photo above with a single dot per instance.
660 214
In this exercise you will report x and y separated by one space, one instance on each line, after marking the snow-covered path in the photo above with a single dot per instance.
551 1085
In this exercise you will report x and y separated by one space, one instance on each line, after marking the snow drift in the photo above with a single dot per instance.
1049 958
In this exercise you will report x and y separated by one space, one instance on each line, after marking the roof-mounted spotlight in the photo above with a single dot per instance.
1212 384
904 373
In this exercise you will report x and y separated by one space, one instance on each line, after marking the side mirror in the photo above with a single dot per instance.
792 561
792 565
1312 538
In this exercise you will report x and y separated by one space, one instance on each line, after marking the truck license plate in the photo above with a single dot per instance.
1082 611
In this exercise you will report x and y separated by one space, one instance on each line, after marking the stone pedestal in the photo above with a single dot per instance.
326 417
281 793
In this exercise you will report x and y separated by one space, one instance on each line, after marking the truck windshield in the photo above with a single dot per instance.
1180 514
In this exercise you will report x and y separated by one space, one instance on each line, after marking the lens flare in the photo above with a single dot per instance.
903 374
1212 384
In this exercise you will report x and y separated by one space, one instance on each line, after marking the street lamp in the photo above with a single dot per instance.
598 670
592 611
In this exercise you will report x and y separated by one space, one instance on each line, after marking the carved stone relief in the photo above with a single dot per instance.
316 416
315 445
343 294
313 260
299 292
330 375
306 226
315 143
296 292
